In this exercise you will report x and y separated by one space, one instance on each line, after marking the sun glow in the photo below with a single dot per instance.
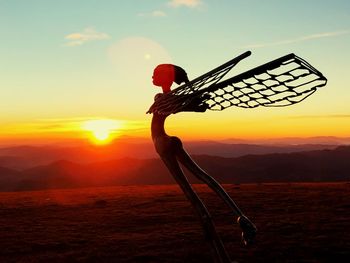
102 131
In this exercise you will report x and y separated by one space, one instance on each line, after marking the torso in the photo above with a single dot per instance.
157 126
163 143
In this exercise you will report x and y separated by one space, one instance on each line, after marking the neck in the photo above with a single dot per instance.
166 89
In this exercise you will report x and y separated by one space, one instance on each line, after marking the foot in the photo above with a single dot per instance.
248 230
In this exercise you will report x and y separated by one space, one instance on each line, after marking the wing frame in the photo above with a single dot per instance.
294 96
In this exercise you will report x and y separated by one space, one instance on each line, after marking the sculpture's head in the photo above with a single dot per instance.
165 74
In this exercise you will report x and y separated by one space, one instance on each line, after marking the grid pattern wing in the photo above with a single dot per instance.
282 82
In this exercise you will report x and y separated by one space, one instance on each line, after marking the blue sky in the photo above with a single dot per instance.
89 58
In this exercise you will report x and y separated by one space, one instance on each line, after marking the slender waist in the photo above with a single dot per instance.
157 126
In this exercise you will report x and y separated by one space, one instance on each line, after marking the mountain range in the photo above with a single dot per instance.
25 157
315 166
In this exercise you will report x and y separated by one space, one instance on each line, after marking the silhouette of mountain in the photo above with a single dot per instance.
327 140
60 174
66 174
8 179
14 162
311 166
237 150
25 157
324 165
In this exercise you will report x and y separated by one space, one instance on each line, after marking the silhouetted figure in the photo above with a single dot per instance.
172 153
281 82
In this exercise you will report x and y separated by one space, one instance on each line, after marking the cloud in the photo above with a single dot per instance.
173 4
186 3
300 39
158 13
332 116
67 124
155 13
87 35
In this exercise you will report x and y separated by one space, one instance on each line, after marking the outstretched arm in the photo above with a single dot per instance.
196 105
170 103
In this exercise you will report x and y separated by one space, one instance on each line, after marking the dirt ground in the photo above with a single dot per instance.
297 222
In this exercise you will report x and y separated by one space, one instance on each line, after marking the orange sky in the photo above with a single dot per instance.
199 127
97 63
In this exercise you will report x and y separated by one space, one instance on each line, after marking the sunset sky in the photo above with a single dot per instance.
64 63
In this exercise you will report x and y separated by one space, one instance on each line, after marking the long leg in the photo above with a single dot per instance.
248 228
187 161
220 254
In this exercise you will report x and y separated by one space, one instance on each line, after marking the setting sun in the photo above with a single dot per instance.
102 131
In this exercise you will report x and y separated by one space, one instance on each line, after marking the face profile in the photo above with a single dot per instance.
163 75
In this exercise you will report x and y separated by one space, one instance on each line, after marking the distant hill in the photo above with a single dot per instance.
323 165
314 166
237 150
331 140
9 179
24 157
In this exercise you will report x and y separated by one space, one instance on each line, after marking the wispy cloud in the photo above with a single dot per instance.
299 39
74 124
158 13
185 3
87 35
173 4
155 13
331 116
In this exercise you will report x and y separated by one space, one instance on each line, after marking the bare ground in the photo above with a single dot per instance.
297 222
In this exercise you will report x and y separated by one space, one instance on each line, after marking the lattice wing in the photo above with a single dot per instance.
282 82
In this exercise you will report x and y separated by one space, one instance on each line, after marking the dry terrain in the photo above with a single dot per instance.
297 222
